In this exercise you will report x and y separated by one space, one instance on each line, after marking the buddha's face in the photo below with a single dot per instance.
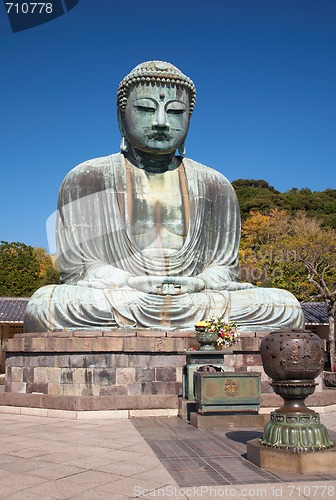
156 118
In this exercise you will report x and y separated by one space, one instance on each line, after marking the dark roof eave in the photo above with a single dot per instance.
11 322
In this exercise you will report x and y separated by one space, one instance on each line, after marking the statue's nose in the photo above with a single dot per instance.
160 119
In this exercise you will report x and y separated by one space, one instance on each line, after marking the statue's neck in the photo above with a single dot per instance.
153 163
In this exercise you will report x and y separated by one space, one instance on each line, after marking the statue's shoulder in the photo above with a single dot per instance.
208 173
95 174
94 166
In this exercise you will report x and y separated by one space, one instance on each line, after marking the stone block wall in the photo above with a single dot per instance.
100 374
110 370
95 370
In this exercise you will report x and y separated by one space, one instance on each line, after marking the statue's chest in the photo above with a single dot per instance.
156 208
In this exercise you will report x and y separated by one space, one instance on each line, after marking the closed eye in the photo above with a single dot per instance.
175 107
148 109
145 105
175 111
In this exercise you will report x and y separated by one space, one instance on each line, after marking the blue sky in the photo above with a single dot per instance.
265 72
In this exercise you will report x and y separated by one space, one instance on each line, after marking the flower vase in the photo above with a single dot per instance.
206 339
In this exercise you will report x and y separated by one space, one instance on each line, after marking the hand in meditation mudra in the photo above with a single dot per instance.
147 238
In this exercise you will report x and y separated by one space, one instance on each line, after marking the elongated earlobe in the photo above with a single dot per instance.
123 145
182 150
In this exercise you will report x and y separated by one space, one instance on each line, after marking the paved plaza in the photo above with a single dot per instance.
96 458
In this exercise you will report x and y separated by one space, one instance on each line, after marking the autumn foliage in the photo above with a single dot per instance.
294 252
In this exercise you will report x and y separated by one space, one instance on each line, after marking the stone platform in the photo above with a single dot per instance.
231 421
109 370
112 370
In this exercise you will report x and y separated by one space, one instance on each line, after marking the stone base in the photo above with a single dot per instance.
185 407
86 415
235 421
322 462
90 403
110 370
114 370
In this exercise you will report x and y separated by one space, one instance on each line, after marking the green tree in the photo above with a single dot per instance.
318 205
258 195
24 269
19 270
255 195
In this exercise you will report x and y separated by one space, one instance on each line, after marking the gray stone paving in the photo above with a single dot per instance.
52 458
210 457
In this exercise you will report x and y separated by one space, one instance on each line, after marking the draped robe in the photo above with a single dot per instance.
95 239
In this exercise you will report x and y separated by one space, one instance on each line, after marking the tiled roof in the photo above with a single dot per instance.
12 309
315 312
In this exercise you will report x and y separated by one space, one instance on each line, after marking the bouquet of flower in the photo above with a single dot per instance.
227 333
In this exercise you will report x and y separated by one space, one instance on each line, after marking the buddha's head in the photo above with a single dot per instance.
155 101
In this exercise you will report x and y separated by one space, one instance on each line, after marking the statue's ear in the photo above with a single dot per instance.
120 123
124 142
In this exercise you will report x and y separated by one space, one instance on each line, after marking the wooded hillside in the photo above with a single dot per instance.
258 195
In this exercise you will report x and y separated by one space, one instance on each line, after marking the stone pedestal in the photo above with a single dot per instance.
100 370
109 370
233 421
322 462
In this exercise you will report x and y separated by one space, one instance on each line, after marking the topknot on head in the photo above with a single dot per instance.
152 72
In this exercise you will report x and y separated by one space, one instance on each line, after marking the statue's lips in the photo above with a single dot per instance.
160 137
